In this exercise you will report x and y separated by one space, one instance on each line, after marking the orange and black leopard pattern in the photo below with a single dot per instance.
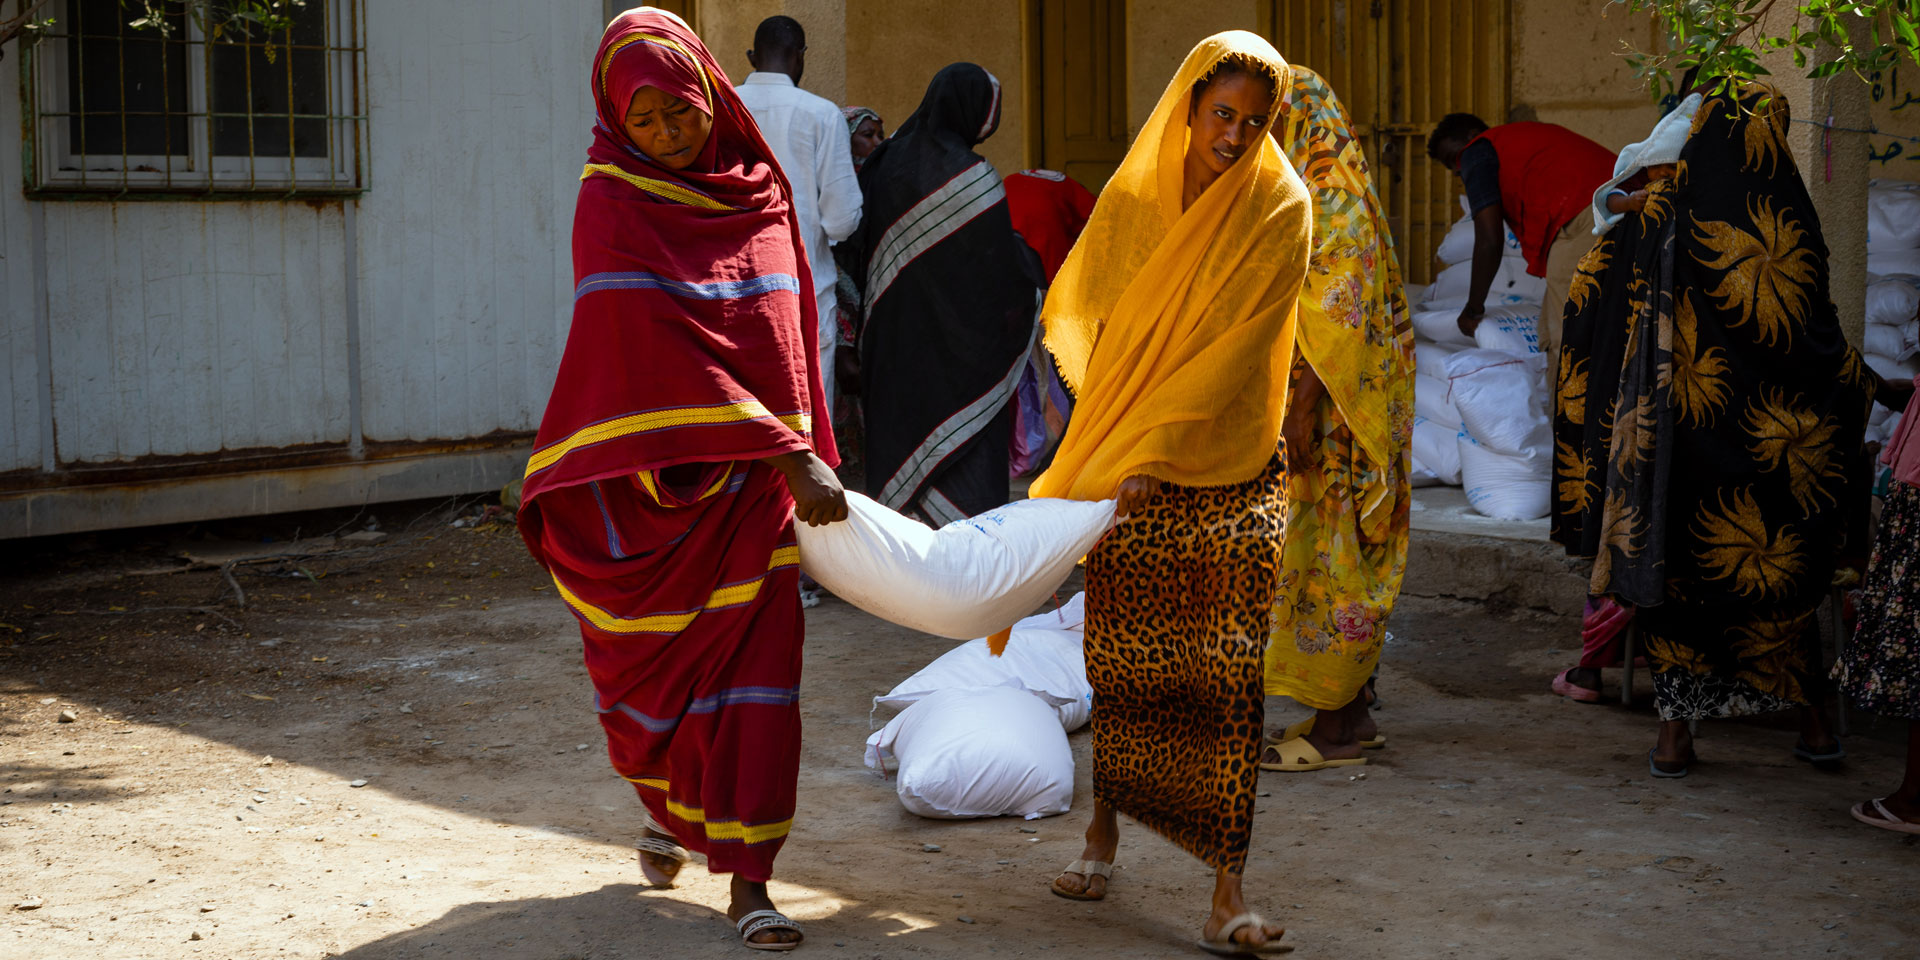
1179 599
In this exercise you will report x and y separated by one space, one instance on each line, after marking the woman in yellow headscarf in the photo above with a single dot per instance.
1164 322
1348 424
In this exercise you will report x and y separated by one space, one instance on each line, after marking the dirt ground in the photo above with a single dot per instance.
203 803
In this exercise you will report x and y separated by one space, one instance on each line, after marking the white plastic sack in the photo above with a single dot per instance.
1887 341
1511 279
970 578
1893 215
1433 400
1436 450
1892 301
1878 415
1502 400
1441 326
1457 245
1514 329
1431 358
1505 487
1894 263
978 752
1045 657
1892 369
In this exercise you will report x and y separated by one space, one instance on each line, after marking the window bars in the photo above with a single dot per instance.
134 112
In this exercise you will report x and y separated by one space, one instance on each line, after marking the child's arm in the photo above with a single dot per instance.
1620 201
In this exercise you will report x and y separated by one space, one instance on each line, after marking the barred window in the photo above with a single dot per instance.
123 110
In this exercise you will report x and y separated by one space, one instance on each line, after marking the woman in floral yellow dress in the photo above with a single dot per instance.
1349 417
1707 409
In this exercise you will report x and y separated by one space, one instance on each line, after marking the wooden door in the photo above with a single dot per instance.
1077 93
1399 66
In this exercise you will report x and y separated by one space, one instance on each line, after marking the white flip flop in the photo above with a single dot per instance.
760 920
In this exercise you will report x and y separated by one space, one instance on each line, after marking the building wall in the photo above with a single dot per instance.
182 327
894 47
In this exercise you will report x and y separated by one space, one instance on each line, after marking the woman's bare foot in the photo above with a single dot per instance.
1103 842
1229 902
748 897
661 864
1588 677
1673 751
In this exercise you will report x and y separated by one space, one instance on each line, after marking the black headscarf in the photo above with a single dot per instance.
949 298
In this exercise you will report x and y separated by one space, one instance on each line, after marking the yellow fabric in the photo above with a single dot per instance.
1164 323
1345 546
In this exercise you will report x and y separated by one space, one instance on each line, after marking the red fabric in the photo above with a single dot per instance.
691 358
1547 177
1049 210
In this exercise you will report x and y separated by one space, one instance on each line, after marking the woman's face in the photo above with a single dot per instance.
669 130
1228 119
867 136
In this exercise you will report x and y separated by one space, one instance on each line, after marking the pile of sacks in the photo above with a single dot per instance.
1481 403
985 736
1893 290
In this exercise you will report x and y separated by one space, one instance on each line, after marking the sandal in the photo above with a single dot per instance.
1826 759
1301 729
1885 821
1223 944
760 920
660 847
1573 691
1299 756
1088 869
1668 774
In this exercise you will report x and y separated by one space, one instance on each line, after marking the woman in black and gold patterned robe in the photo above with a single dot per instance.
1706 406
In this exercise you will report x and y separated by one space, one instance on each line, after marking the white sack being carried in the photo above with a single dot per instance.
970 578
1893 215
1436 450
1505 487
1433 400
978 752
1892 301
1511 279
1045 657
1502 401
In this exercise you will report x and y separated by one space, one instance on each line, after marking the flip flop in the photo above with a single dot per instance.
1088 869
1804 752
1301 729
760 920
1573 691
1300 756
1885 821
1667 774
1223 944
661 848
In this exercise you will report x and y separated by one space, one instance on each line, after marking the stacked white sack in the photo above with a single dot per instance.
1505 441
986 736
1892 340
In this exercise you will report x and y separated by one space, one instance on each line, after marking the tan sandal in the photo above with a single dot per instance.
1088 869
1299 756
1304 727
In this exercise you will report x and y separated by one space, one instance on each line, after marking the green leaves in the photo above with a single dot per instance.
1727 38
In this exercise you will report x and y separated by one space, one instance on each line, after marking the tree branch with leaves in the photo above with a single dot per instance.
1727 39
217 19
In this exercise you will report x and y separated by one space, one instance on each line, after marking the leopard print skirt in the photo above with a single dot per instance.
1178 603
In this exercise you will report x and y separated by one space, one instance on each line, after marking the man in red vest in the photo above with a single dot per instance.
1538 179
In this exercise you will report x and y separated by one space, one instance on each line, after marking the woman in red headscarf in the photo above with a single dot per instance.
676 452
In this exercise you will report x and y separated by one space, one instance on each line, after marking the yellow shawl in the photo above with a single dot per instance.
1175 329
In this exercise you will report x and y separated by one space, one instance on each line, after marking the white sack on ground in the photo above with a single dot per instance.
1892 301
1457 245
1514 329
1894 263
1436 450
1505 487
970 578
978 752
1887 341
1511 279
1893 369
1441 326
1502 400
1431 358
1893 215
1045 656
1433 400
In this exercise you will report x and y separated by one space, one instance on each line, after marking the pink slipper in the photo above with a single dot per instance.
1572 691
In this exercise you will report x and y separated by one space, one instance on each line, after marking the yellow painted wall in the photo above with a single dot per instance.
726 26
1159 34
1566 69
895 46
1894 110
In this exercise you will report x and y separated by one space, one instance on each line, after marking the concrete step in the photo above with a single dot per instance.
1455 553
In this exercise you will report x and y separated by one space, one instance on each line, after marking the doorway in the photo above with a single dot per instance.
1076 93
